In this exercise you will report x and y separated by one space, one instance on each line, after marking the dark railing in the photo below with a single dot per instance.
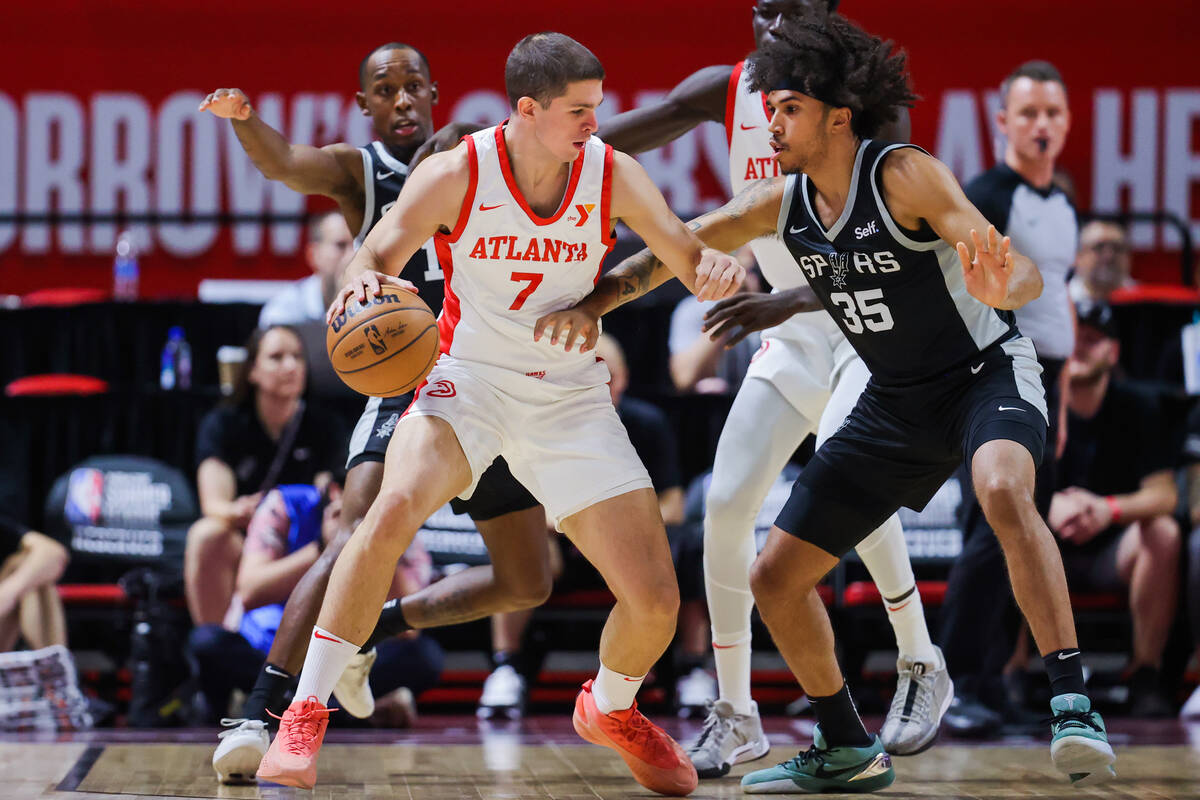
1187 252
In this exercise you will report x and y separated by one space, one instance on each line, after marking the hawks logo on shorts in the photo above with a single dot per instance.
506 266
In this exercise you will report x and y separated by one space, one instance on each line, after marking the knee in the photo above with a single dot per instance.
1162 538
208 532
206 642
533 592
396 517
769 580
657 600
1005 499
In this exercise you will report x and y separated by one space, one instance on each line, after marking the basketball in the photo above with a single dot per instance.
386 348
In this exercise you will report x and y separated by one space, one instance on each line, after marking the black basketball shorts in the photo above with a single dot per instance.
900 444
498 492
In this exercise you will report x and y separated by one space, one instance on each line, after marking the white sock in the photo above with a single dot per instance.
731 653
613 691
328 655
885 555
907 615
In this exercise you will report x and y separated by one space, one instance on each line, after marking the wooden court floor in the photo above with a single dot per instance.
450 758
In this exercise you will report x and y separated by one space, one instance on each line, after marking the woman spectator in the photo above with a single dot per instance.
266 436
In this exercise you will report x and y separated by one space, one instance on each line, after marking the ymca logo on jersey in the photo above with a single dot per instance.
585 211
839 264
867 230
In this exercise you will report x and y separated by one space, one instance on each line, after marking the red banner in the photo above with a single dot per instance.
98 108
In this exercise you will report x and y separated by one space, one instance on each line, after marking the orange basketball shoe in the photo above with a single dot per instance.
655 759
292 757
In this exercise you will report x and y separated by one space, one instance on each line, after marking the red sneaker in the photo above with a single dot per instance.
292 757
655 759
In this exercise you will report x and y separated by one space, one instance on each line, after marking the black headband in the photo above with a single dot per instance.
794 84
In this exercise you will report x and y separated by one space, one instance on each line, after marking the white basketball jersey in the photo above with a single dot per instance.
506 267
750 159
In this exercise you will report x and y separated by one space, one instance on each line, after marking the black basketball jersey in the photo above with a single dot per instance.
897 294
383 178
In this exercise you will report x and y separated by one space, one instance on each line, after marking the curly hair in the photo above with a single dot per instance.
835 61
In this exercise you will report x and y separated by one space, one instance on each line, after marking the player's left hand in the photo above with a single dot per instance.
986 275
718 275
746 312
444 138
571 323
366 284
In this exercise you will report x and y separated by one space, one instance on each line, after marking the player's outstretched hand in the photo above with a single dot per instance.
228 104
571 324
746 312
718 275
444 138
366 284
986 276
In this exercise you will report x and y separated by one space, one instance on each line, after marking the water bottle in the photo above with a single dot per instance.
183 363
176 364
125 268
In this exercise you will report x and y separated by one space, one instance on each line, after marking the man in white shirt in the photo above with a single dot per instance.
330 246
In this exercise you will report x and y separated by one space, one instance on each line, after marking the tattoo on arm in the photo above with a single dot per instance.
747 199
635 276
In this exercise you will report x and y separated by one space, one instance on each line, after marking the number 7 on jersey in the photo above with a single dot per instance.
534 279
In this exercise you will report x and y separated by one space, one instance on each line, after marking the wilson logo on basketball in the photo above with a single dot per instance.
441 389
513 248
353 309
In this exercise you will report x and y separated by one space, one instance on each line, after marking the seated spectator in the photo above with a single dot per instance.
30 565
266 436
285 536
329 249
704 365
1191 463
650 431
1103 264
1113 513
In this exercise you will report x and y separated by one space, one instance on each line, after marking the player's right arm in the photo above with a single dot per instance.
335 171
700 97
752 213
431 201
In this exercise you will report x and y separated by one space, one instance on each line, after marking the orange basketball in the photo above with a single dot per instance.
388 347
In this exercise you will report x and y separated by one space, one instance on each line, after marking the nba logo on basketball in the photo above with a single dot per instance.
85 497
375 339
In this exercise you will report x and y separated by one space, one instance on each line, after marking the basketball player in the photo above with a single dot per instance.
804 379
874 226
523 214
398 94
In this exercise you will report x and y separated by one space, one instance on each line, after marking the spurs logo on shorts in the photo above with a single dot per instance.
388 426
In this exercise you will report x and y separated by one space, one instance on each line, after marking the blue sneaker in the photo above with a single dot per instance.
826 769
1079 746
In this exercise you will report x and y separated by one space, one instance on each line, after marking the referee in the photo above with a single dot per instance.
1019 196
